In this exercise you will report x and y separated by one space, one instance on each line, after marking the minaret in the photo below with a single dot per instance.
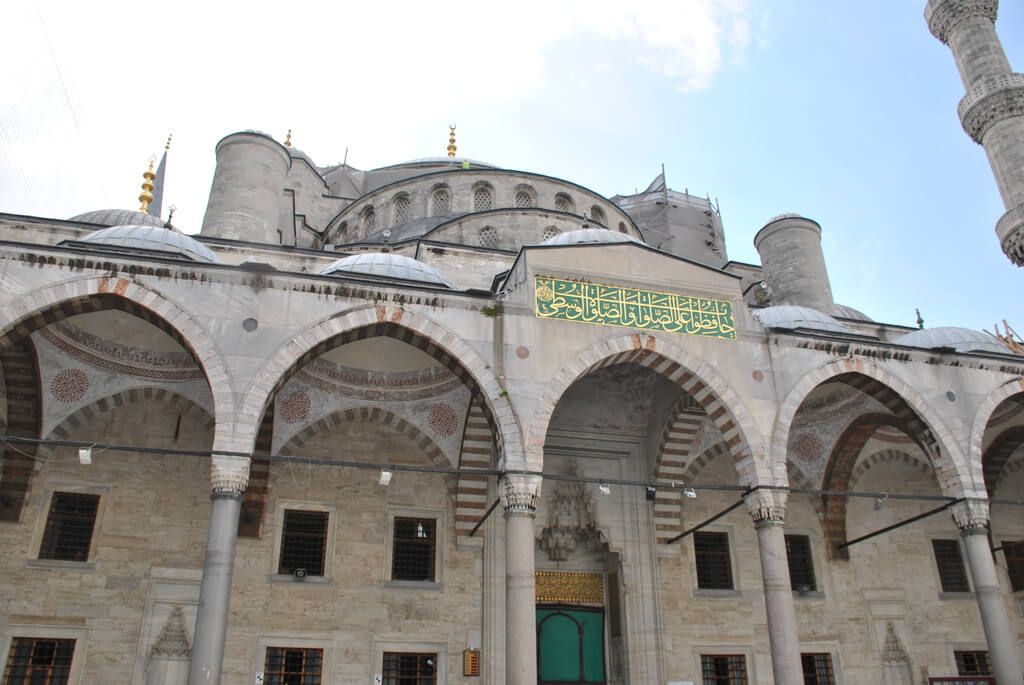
992 112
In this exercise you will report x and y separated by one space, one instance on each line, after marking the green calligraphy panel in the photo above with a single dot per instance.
609 305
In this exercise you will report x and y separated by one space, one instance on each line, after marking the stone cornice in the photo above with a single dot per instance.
1010 230
992 100
943 15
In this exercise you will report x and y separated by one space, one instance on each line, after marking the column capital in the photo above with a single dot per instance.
943 15
767 507
229 476
520 493
971 516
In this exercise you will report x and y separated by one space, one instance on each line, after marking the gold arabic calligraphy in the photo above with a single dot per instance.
610 305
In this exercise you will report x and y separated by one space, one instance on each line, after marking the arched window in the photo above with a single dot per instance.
369 218
597 216
400 211
564 203
622 227
524 197
550 232
440 202
483 198
488 236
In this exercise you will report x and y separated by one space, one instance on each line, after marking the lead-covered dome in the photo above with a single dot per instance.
792 317
152 238
959 339
584 236
118 217
387 265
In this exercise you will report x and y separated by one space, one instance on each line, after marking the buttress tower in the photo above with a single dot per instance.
992 111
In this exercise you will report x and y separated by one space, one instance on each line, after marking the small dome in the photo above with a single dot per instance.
960 339
590 235
793 317
152 238
387 265
119 217
841 310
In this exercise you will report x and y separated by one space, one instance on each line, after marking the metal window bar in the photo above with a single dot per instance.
303 542
293 666
817 669
39 661
69 526
714 567
412 556
973 663
801 563
723 669
440 203
952 574
482 200
403 668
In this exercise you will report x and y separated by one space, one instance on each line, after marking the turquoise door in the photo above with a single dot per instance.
570 646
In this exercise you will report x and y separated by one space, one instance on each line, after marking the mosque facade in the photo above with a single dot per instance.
445 423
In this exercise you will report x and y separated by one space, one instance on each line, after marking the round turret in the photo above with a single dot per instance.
247 190
793 263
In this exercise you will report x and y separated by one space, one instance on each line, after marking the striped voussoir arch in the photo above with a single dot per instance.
381 417
1014 465
24 420
907 418
254 499
477 453
677 444
996 457
889 456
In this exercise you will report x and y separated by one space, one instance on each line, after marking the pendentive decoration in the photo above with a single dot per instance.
69 385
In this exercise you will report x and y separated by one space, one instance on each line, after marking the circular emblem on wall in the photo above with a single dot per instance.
808 447
69 385
442 419
295 406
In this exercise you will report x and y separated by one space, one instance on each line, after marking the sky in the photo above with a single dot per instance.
844 112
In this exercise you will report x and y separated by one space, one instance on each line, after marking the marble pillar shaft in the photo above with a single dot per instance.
520 600
778 598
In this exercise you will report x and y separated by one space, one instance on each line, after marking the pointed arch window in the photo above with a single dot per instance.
440 202
483 198
400 212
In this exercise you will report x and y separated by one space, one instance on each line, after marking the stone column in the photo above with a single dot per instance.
228 480
519 495
972 519
769 514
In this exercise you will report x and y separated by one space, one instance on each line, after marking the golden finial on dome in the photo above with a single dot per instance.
147 188
451 141
288 139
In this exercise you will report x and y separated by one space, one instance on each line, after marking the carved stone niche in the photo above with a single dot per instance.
571 521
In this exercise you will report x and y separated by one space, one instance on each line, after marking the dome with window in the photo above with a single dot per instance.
151 239
387 265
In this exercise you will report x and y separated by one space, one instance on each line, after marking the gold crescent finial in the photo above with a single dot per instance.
288 139
451 141
147 188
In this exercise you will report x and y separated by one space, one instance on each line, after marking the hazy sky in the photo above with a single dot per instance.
842 111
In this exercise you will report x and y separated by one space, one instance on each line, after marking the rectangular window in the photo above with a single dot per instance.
817 669
39 661
69 526
714 568
303 542
402 668
972 663
801 566
723 669
293 666
952 573
1014 552
413 550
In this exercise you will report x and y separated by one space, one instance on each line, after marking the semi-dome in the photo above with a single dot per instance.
589 235
119 217
792 317
387 265
157 239
959 339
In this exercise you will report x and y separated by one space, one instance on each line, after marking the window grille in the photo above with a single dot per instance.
488 236
401 210
69 526
597 216
369 219
723 669
563 203
303 542
801 565
1014 552
714 568
550 232
523 199
972 663
412 556
39 661
409 669
952 574
293 666
817 669
440 202
483 199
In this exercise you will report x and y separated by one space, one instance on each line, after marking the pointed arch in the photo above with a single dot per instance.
997 455
888 456
984 414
